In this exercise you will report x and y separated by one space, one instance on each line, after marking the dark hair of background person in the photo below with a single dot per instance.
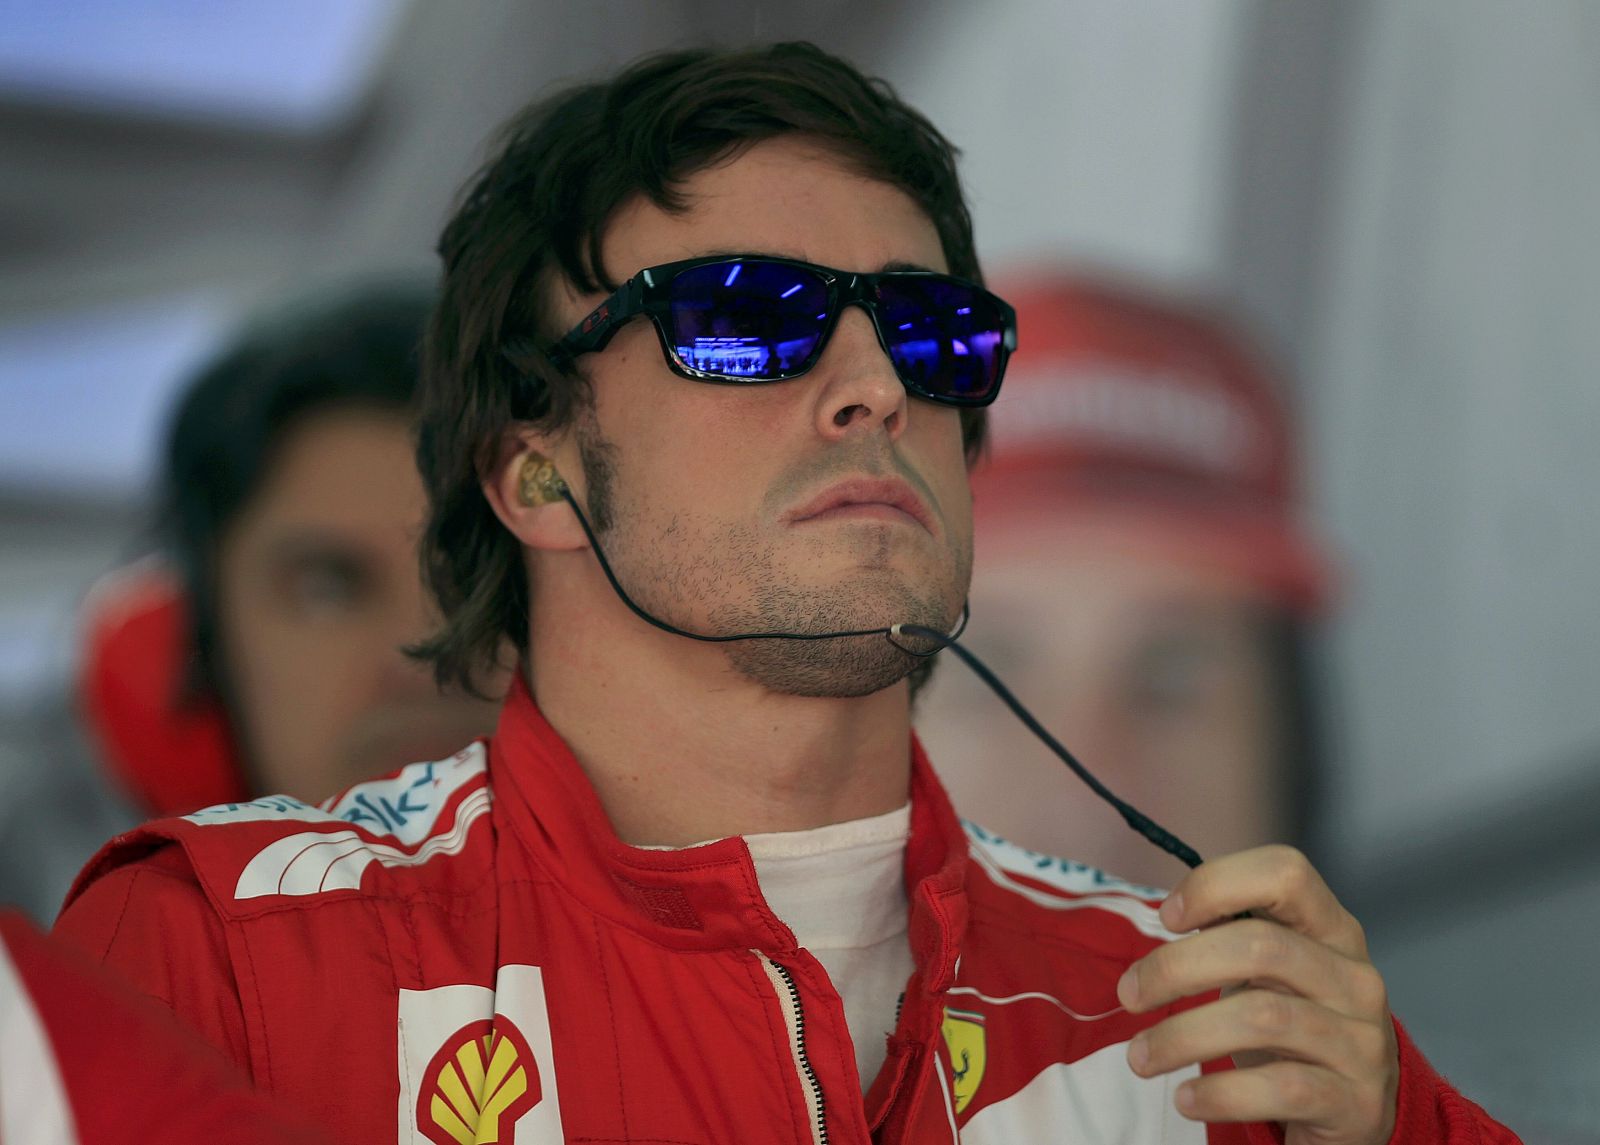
354 347
540 207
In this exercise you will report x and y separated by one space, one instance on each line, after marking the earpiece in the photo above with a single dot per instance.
539 483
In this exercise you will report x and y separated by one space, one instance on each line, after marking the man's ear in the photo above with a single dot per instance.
523 486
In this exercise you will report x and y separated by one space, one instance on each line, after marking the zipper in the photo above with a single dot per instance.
789 1000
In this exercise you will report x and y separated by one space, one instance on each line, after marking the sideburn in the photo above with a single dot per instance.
599 460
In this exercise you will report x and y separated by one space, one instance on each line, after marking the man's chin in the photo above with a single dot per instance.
838 667
842 668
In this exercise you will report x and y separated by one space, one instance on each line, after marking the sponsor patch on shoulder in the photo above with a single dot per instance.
403 806
257 810
1067 874
406 805
1063 885
403 820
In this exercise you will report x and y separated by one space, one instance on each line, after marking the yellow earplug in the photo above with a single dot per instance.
539 483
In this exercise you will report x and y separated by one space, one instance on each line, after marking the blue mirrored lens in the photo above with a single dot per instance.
747 319
944 337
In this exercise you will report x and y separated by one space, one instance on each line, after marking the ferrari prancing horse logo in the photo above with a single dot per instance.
479 1082
964 1035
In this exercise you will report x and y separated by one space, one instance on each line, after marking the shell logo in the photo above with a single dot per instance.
477 1085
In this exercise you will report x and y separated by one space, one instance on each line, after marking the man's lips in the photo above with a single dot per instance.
886 499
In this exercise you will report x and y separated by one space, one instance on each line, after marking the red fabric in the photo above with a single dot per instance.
642 991
1124 404
1430 1108
129 1073
171 756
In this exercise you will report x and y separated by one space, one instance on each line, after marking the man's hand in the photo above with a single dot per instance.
1304 1013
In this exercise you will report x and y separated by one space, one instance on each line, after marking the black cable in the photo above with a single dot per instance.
1131 815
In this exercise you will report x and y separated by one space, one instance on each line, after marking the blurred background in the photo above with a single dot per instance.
1393 201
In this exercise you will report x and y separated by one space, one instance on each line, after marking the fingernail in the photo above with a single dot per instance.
1128 989
1172 911
1184 1098
1139 1054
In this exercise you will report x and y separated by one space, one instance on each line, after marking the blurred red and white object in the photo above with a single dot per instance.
1153 422
171 752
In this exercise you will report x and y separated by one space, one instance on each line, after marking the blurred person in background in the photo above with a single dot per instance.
291 510
261 649
1142 581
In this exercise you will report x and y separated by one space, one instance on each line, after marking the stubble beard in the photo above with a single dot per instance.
738 583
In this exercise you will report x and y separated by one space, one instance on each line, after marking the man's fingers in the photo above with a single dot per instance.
1272 882
1260 1020
1256 951
1313 1011
1289 1092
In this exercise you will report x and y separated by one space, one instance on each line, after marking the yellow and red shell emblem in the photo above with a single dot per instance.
477 1085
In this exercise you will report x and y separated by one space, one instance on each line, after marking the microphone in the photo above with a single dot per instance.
937 641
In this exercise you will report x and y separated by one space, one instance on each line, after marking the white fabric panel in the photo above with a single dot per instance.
33 1098
1092 1101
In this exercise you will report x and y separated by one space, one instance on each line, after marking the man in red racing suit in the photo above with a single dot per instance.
702 886
467 947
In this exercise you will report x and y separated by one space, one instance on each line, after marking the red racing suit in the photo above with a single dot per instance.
84 1061
465 951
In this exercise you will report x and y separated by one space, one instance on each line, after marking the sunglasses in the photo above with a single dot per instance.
753 319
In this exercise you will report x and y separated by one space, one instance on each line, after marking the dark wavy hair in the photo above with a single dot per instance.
354 345
540 207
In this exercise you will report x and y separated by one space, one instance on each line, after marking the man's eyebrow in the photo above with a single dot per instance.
894 265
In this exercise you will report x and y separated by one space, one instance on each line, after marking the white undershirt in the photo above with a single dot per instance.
842 890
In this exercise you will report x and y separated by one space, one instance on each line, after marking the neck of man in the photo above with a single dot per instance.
682 748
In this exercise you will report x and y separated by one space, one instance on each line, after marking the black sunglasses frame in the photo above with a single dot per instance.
648 293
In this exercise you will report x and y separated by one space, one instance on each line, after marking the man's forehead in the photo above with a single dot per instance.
799 254
781 198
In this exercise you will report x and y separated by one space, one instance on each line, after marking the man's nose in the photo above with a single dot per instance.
860 391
